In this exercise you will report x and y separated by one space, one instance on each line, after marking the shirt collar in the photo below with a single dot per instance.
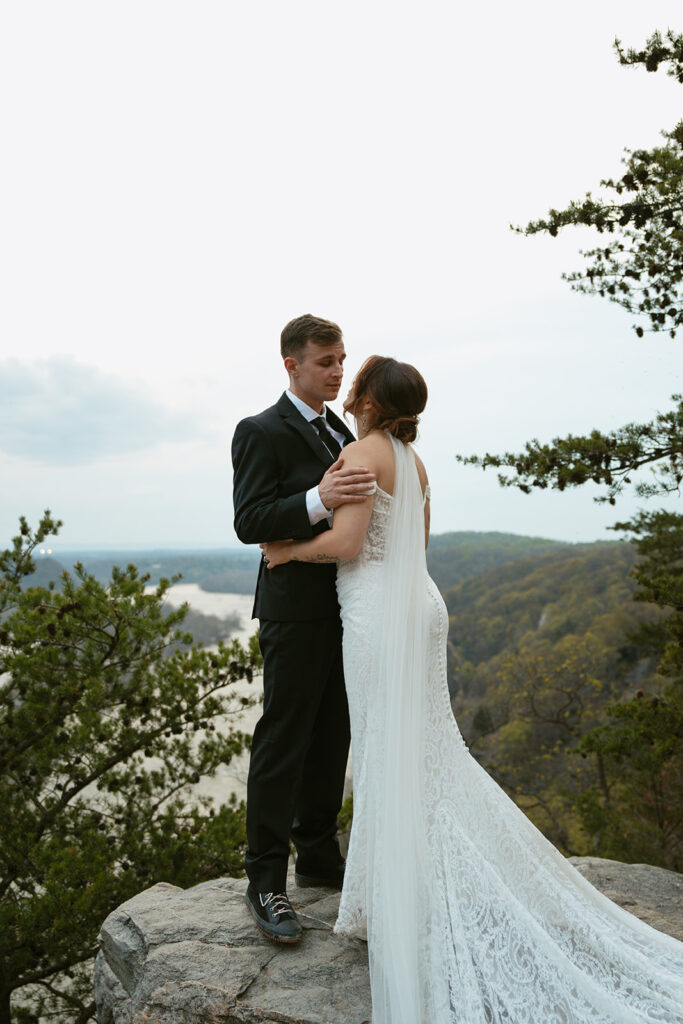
304 409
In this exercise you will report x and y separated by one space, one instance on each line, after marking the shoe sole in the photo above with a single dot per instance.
309 882
287 940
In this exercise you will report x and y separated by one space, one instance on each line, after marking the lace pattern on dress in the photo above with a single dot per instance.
512 933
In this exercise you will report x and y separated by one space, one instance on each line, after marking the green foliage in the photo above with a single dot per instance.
657 51
550 699
537 601
539 649
607 459
635 814
639 265
345 816
205 629
108 717
637 811
552 659
658 537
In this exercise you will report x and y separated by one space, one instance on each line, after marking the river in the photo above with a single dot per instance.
230 778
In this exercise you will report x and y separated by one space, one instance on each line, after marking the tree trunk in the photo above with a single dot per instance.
602 775
5 1008
86 1014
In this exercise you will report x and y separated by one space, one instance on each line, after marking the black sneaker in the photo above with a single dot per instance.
274 915
328 878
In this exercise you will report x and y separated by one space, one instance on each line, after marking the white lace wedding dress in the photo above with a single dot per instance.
471 915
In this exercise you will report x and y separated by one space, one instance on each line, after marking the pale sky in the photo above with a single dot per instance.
180 179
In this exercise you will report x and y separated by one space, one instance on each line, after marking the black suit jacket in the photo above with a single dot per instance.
277 456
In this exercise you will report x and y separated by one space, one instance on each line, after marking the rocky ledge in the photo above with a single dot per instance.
195 956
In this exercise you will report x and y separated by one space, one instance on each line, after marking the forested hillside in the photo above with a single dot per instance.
539 649
535 601
454 557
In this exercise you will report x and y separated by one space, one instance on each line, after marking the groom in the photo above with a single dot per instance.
287 482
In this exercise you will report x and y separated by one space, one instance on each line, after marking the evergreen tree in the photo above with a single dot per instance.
107 718
639 265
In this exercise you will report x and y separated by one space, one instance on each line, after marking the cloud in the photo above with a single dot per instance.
59 411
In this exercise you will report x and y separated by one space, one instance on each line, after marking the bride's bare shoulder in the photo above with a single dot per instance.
373 452
354 454
368 447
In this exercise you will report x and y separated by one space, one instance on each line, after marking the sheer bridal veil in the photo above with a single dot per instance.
397 849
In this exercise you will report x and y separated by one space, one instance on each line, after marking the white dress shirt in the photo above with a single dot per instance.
314 506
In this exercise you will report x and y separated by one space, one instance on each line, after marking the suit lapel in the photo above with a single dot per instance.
294 419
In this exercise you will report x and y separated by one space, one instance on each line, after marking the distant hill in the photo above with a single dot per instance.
539 648
454 557
48 570
548 594
451 559
232 572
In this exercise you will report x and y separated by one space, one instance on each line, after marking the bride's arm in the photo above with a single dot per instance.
342 542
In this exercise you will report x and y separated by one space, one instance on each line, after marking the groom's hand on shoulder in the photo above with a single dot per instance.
343 485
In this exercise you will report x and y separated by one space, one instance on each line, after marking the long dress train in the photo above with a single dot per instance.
471 915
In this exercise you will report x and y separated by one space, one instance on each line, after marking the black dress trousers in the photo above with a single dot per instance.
299 752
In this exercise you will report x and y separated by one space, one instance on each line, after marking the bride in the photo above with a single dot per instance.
471 915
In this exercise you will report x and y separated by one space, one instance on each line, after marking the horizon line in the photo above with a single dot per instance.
74 547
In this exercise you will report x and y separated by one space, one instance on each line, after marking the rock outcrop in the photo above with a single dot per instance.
195 956
655 895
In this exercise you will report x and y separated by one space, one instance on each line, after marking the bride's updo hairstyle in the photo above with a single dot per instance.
397 391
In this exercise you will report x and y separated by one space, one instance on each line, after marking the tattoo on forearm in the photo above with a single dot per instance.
322 557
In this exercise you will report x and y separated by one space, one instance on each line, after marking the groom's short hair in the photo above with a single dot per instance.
306 328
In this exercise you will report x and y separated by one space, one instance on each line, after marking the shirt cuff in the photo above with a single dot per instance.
315 508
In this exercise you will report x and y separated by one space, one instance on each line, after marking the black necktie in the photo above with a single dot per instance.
325 436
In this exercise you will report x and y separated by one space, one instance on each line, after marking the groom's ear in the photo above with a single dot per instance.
291 365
